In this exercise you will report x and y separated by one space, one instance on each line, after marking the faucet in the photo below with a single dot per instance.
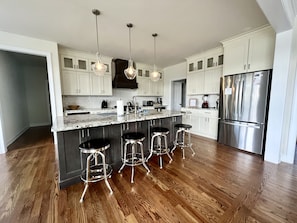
134 102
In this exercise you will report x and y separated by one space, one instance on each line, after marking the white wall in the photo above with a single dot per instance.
277 96
12 98
173 73
23 44
36 85
290 119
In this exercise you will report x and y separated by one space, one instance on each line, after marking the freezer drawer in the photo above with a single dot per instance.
244 136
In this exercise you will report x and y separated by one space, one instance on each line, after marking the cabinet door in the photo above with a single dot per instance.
156 88
212 81
160 87
261 50
203 125
195 65
235 56
70 165
68 62
73 63
83 83
69 83
195 83
107 87
213 127
143 86
101 85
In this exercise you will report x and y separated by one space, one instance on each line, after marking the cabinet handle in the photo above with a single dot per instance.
249 66
244 67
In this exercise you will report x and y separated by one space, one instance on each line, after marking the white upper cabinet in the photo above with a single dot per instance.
195 83
78 77
74 63
212 80
146 87
215 60
101 85
75 83
250 52
195 64
204 72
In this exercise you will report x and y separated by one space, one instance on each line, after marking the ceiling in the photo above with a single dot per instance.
184 27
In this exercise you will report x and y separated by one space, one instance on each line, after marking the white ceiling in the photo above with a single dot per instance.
184 27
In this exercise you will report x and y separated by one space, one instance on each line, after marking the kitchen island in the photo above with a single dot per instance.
75 129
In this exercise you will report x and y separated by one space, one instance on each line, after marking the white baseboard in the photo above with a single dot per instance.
17 136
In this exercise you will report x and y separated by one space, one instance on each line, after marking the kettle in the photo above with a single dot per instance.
104 104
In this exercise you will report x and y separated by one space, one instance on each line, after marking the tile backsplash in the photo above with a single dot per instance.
95 101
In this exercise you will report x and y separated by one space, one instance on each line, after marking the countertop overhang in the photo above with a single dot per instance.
66 123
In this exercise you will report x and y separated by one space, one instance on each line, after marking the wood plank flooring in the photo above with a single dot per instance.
218 184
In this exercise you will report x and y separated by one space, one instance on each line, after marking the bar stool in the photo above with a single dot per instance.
180 138
95 171
158 149
135 155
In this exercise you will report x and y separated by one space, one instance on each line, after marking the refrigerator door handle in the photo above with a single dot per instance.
241 97
250 125
239 100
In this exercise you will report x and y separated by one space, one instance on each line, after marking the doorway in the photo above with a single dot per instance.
178 94
27 88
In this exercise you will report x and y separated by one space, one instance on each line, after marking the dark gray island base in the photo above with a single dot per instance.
71 133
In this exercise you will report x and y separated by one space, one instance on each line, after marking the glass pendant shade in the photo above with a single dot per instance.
98 68
155 75
130 72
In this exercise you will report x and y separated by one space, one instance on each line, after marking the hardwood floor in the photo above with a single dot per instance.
218 184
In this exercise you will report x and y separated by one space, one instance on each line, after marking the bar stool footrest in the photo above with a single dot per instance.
160 151
96 173
181 144
134 160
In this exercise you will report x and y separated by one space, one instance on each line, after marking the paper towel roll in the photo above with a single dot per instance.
120 107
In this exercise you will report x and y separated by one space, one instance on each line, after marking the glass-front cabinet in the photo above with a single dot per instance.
74 63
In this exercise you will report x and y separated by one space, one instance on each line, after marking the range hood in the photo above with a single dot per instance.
120 80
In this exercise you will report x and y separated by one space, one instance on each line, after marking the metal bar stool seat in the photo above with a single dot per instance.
95 171
180 138
159 148
133 155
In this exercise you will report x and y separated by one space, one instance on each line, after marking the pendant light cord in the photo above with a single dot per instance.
130 42
97 35
130 25
155 35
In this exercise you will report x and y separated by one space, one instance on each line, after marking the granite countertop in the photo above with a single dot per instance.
71 122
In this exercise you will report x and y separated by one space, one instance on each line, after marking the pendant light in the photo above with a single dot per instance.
155 75
130 72
98 68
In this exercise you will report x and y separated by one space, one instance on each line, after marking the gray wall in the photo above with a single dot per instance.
13 103
37 98
23 94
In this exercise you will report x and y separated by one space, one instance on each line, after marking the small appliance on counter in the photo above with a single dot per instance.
205 102
104 104
147 103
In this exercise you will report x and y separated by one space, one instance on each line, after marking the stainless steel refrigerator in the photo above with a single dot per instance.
244 102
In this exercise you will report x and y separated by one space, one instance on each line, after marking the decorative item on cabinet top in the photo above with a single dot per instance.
206 60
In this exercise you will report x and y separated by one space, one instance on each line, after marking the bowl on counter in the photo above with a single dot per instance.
73 107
